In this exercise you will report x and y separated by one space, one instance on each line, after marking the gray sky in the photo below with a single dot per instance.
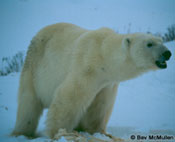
21 19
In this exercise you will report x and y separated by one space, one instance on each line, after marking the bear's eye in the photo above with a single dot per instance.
149 45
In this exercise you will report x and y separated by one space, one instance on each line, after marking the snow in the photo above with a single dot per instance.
143 105
62 139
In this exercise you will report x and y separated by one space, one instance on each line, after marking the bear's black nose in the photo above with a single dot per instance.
167 55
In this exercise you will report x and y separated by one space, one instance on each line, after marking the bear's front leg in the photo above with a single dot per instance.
70 101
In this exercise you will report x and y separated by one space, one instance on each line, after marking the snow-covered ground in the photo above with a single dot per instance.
144 105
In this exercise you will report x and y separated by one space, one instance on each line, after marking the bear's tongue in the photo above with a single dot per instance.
161 65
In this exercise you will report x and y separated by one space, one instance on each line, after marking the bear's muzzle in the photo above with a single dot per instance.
161 62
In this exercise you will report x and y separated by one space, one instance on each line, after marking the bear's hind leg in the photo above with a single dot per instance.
29 108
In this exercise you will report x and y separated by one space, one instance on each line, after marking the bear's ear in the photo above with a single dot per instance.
126 43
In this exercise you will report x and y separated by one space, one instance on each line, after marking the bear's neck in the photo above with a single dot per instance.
129 70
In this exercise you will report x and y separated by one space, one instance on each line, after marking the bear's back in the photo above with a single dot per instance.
47 37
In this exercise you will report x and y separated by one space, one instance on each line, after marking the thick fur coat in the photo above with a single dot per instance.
75 73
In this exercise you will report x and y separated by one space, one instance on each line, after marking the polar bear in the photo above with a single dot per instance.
75 73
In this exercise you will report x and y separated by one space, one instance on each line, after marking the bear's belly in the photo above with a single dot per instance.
46 85
49 75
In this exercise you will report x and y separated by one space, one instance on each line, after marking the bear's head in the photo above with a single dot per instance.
146 51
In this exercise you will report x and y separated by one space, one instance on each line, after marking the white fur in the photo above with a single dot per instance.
75 73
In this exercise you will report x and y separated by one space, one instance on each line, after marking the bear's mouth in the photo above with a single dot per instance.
161 65
161 62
